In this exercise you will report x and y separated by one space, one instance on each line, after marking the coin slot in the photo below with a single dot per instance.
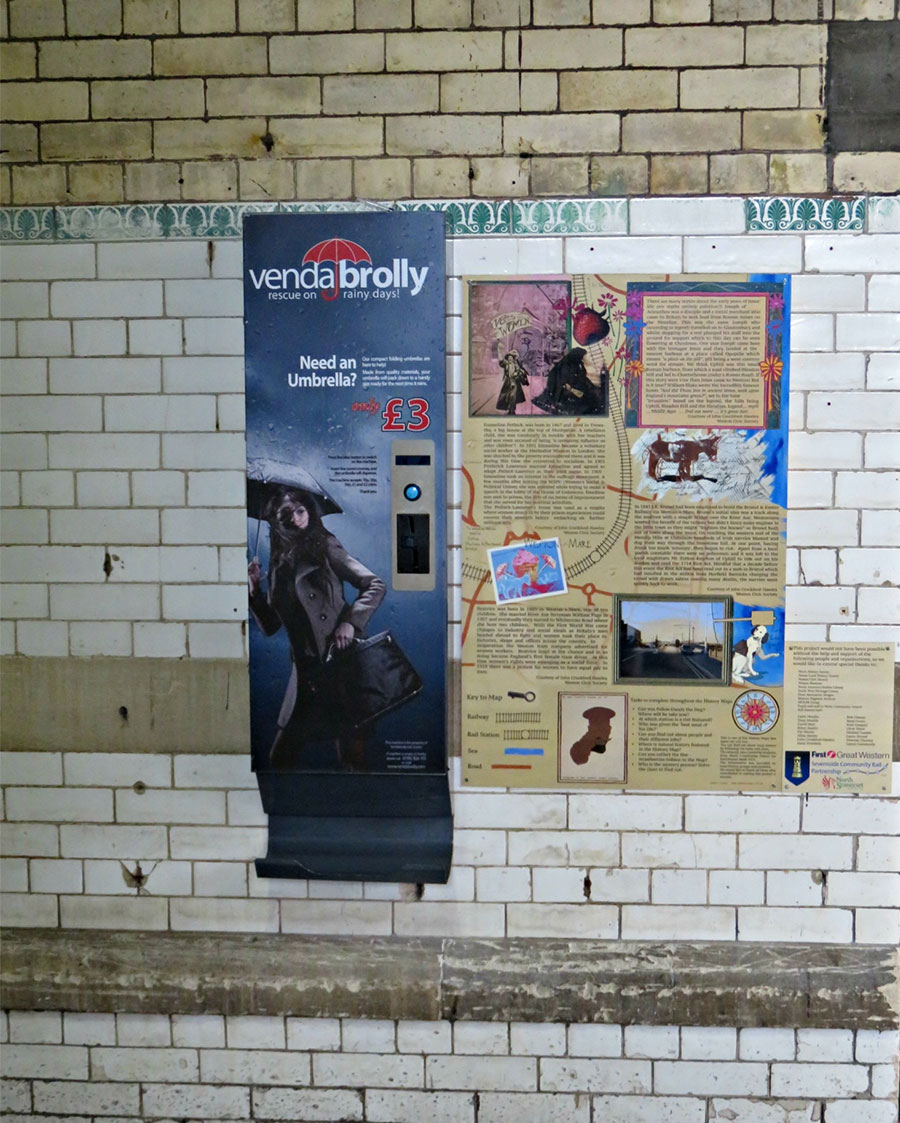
412 543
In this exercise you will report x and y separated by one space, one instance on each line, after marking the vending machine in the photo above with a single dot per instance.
345 391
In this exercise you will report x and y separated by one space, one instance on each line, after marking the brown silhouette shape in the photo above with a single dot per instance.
599 719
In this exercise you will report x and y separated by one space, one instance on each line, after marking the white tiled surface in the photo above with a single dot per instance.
138 348
239 1067
124 413
645 867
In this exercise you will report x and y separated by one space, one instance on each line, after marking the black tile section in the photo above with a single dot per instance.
862 96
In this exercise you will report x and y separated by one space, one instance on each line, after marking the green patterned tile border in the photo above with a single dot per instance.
570 216
778 213
464 217
884 214
155 220
27 224
220 220
522 217
475 217
147 220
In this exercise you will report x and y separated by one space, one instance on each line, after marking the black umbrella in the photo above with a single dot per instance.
265 476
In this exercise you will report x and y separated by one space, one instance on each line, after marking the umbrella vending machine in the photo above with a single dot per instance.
345 392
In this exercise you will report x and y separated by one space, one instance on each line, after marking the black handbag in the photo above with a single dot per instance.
369 678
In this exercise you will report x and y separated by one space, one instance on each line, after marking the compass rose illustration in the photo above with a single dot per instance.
755 711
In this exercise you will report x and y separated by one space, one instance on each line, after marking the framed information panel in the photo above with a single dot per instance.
625 491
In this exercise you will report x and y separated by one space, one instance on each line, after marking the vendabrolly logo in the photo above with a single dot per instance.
337 266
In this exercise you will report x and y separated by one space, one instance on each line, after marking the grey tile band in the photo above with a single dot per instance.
551 980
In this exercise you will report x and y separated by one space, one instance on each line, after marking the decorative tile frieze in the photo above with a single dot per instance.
223 220
570 216
163 220
464 217
27 224
774 214
468 216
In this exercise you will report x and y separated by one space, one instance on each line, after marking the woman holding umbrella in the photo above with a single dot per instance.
308 567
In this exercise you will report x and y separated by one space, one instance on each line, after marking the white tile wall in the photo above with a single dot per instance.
124 418
743 871
177 454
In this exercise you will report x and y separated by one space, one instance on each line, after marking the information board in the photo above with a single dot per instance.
624 499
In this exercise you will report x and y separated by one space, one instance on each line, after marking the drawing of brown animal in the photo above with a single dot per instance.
684 454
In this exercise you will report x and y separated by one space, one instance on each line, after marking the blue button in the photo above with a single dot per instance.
412 492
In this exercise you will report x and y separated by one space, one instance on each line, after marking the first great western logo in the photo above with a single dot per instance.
339 267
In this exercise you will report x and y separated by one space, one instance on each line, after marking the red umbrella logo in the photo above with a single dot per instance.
336 250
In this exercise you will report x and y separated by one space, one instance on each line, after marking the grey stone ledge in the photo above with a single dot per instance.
550 980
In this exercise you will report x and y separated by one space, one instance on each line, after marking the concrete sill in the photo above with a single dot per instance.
582 981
